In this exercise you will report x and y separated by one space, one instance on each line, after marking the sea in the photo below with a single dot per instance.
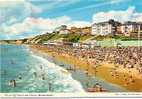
20 64
34 73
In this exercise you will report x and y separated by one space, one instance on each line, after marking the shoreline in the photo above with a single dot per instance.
105 67
79 75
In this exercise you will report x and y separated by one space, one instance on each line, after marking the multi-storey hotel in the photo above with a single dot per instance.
131 28
115 28
105 28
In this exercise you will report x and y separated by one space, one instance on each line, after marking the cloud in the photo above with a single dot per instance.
117 1
39 25
12 11
128 15
17 18
99 3
49 5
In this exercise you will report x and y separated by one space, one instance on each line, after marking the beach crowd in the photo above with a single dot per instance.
128 57
122 57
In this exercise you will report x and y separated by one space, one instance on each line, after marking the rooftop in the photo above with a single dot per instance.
111 21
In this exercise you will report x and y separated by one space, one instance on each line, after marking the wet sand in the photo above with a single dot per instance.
102 71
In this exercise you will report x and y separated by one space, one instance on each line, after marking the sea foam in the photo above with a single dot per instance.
60 78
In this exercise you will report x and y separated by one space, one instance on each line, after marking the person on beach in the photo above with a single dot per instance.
124 58
98 87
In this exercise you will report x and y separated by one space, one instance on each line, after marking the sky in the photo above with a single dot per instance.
27 18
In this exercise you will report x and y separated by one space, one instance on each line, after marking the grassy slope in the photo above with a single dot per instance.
67 37
74 38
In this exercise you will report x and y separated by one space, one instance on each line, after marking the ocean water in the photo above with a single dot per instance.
17 61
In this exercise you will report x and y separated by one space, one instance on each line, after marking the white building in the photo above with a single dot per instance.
63 29
105 28
77 44
88 44
130 27
66 31
54 42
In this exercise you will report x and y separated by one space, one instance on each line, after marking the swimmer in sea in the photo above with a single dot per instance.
12 83
12 62
28 66
50 86
20 76
41 67
42 77
35 74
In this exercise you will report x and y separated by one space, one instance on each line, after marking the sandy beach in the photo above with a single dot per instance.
103 71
